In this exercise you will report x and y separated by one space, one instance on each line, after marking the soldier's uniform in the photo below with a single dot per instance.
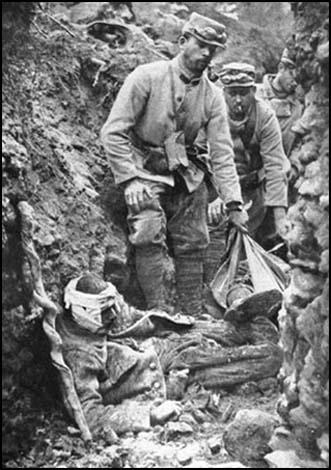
289 110
261 164
287 106
150 135
119 381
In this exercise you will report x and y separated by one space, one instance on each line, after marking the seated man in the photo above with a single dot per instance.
121 378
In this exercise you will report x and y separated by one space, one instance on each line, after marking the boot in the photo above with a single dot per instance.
150 273
189 284
262 304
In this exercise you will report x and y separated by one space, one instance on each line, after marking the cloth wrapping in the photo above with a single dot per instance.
86 308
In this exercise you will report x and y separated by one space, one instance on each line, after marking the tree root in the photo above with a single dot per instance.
68 390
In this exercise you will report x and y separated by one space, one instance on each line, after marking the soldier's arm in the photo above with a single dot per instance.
276 164
224 170
86 368
127 108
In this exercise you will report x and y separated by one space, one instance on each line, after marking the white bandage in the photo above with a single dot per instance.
86 308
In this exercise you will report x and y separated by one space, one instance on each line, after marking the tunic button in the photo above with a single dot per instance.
157 385
152 365
179 98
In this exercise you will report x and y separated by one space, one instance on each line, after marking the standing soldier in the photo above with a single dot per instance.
149 137
260 160
280 91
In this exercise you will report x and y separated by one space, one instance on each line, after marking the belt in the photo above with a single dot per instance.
155 159
252 180
145 146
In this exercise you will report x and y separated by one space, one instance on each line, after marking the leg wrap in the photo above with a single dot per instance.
189 277
150 272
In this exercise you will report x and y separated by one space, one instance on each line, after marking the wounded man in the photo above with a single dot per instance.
122 359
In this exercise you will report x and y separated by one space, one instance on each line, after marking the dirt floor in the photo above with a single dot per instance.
54 441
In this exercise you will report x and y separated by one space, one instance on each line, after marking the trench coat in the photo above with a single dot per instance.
147 105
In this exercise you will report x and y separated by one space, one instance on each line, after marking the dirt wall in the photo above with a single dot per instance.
305 319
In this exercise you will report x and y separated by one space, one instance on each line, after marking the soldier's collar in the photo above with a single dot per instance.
184 74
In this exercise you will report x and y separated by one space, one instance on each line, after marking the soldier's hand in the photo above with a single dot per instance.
215 211
239 219
136 194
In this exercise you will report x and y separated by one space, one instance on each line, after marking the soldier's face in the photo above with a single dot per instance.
239 100
197 55
108 316
287 78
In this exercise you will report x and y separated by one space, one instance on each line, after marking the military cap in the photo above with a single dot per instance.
238 74
206 30
288 58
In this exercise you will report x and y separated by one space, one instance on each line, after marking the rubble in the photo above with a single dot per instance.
174 430
289 459
247 436
168 410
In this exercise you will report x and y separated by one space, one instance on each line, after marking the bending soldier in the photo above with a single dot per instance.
261 164
149 137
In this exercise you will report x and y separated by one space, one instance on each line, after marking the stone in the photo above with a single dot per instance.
206 426
199 416
231 465
73 431
85 12
189 419
289 459
268 385
214 445
247 437
283 439
168 410
174 430
176 384
184 456
199 464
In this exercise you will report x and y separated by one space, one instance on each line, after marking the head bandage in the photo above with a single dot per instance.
86 308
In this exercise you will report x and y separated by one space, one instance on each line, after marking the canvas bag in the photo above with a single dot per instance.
267 271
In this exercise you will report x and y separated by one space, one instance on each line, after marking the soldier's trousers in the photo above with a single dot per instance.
173 220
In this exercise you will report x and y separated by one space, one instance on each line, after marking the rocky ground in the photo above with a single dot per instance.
59 82
194 439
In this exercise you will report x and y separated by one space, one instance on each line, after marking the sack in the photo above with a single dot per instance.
228 269
266 270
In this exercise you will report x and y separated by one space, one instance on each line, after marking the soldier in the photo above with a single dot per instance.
280 91
261 164
149 138
121 378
